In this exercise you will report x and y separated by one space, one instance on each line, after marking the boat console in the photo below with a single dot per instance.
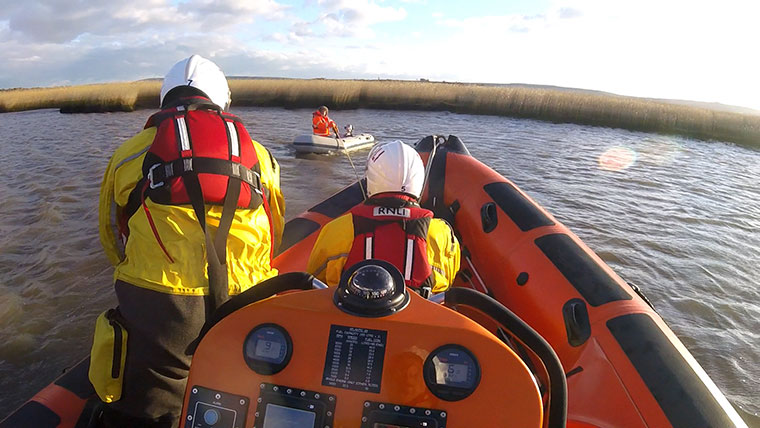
368 353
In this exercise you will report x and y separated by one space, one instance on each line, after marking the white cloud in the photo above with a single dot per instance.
217 14
235 7
668 49
59 22
674 49
128 60
355 18
494 27
81 41
569 13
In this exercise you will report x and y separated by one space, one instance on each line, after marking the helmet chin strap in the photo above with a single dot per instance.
229 101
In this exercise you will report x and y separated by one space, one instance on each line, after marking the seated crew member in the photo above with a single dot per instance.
390 225
321 124
190 212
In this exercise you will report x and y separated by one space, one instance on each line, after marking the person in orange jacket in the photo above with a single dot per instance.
322 124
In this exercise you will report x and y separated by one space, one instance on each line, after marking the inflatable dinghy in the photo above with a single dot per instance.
537 332
311 143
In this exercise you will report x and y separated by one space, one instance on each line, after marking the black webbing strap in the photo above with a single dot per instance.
228 212
416 226
160 172
135 199
181 109
426 288
215 253
364 225
391 202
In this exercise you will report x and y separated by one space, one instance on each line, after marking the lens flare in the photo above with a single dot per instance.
617 159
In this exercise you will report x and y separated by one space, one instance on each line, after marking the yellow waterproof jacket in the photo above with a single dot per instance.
328 257
142 262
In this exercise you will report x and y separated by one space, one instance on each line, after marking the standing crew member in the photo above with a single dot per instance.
321 124
390 226
190 213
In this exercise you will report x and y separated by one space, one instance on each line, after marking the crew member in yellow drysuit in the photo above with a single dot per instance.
160 255
390 225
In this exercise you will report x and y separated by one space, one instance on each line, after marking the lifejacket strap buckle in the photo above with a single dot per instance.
150 177
425 291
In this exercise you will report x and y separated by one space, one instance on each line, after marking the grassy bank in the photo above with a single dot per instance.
83 99
556 105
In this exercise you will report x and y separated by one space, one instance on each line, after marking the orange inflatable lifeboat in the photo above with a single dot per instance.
624 366
67 402
536 332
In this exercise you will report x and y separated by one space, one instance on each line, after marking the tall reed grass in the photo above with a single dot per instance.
556 105
83 99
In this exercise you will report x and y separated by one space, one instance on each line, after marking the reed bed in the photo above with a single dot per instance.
85 98
556 105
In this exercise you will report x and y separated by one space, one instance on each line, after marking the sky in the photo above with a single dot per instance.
674 49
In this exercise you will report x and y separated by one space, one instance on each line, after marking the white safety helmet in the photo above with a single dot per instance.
199 73
394 167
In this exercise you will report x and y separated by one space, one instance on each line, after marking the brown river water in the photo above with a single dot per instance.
676 216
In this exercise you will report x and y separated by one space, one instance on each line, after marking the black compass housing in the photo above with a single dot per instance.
371 288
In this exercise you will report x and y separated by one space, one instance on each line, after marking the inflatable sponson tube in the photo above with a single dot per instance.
624 365
68 402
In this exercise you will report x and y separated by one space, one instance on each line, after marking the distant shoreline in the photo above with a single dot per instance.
697 120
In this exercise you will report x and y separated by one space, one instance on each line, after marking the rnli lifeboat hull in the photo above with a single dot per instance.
65 403
624 366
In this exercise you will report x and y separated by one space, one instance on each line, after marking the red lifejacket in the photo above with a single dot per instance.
393 229
200 138
201 155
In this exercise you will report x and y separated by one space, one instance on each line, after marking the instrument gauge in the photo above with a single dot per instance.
451 372
267 349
